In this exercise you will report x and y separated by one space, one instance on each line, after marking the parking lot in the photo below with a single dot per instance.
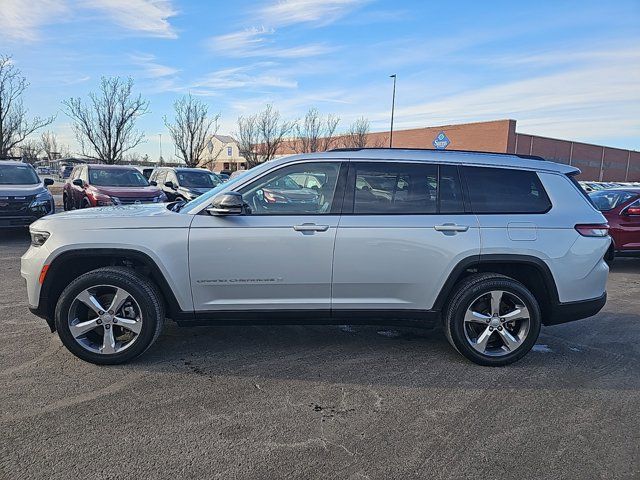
321 402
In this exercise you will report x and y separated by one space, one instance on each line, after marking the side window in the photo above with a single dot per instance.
451 200
502 190
75 173
394 188
160 178
279 193
84 174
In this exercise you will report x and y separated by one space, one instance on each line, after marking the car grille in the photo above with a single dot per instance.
134 200
12 206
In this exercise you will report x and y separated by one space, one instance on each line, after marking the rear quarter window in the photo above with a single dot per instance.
503 190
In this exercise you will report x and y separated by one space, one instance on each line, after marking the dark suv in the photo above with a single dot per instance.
23 197
184 183
105 185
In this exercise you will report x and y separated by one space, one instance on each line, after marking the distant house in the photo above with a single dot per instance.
222 154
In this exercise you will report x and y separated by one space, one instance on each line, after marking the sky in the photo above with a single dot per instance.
562 69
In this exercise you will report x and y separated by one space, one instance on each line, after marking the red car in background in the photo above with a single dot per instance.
105 185
621 207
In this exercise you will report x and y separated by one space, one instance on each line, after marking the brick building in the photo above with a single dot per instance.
596 162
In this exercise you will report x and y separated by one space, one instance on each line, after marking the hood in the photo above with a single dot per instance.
119 211
21 190
196 191
131 192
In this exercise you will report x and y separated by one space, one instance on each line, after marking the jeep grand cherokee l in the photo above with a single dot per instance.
23 197
102 185
492 245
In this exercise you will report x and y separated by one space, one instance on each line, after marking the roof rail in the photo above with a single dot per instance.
356 149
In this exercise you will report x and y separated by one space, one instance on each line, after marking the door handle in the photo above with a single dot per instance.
451 227
311 227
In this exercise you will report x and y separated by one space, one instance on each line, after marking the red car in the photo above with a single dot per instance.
621 207
105 185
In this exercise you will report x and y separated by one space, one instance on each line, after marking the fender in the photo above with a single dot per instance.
487 259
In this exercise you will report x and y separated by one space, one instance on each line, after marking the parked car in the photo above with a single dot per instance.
184 183
65 171
621 208
105 185
23 196
507 244
147 171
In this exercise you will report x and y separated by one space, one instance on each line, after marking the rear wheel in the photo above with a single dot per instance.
86 203
109 315
492 320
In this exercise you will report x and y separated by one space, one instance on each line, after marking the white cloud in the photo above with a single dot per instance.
150 68
242 77
149 17
257 42
319 12
22 22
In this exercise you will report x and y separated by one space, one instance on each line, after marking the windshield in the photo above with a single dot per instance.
113 177
18 175
609 199
284 183
196 179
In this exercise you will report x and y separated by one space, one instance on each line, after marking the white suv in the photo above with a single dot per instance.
494 245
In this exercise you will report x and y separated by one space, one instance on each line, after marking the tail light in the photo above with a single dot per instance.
632 211
593 229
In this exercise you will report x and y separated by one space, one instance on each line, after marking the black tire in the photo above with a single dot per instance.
462 298
65 203
85 203
143 291
610 256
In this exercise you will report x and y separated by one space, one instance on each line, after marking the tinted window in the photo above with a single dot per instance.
451 200
277 193
18 175
394 188
609 199
501 190
116 177
196 179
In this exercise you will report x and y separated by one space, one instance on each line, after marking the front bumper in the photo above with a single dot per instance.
13 222
570 311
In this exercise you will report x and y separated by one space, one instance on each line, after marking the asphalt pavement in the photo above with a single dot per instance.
321 401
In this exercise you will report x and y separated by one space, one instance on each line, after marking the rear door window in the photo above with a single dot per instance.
503 190
394 188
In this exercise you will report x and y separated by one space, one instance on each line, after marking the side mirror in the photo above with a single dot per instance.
229 203
170 185
153 183
48 182
78 182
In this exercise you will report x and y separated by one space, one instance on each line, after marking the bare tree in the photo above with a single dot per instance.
14 126
260 135
49 145
105 124
315 133
356 135
192 129
29 150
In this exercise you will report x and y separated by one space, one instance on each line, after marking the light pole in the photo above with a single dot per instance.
393 106
160 135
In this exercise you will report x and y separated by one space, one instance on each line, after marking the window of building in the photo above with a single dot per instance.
229 151
502 190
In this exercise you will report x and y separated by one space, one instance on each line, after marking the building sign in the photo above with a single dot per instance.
441 141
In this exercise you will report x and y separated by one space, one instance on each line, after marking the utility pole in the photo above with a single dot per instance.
160 135
393 107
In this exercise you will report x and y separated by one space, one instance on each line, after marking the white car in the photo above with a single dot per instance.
492 245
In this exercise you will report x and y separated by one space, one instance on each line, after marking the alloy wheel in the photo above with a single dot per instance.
497 323
105 319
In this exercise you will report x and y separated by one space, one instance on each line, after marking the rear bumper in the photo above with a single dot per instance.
570 311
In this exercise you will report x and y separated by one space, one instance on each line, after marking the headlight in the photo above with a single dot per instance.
41 199
160 198
38 237
104 200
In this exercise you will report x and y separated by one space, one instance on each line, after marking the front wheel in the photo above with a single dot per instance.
492 320
109 315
